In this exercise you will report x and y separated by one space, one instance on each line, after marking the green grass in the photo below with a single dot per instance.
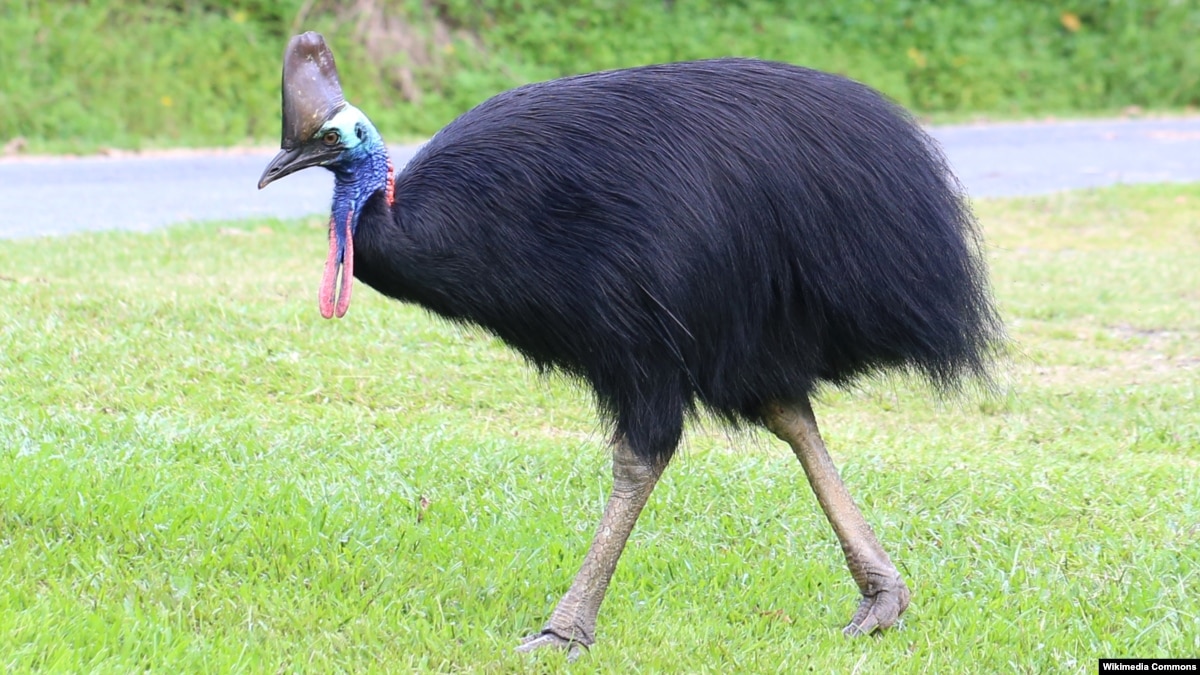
198 474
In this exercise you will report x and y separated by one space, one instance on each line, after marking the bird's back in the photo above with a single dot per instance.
732 231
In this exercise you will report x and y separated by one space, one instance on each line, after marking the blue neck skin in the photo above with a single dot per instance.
362 171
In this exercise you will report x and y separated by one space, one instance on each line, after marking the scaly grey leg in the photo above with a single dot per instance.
885 596
573 623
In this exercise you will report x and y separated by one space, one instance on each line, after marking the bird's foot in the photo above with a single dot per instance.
549 637
879 610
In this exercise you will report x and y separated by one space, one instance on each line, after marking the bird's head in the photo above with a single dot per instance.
321 129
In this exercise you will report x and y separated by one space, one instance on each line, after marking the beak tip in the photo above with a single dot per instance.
283 163
270 174
291 160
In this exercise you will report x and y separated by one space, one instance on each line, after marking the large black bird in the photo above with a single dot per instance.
722 235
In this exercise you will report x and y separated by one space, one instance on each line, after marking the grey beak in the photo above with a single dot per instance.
281 165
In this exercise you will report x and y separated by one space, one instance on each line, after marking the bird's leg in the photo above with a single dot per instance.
572 626
884 595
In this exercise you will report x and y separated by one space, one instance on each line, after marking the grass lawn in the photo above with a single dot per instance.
199 474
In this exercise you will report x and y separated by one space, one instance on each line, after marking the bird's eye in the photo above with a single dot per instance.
331 137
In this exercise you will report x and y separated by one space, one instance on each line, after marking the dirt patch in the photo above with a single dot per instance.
403 50
1145 355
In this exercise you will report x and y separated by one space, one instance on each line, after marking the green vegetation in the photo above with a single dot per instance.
198 474
134 73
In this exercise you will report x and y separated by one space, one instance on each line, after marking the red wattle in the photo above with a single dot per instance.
325 296
343 302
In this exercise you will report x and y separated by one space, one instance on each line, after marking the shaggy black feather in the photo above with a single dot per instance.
719 233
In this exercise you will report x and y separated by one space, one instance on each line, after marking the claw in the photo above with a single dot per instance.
547 638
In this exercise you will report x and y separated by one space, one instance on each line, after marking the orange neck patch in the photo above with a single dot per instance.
390 190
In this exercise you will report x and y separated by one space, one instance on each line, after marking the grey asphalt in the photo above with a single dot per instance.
48 196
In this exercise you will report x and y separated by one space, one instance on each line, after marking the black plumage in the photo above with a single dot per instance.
725 232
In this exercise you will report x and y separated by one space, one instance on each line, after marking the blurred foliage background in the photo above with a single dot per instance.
142 73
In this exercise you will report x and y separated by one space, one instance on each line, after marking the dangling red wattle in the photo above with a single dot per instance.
343 302
325 297
335 304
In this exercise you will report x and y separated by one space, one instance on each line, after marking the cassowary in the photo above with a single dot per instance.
723 235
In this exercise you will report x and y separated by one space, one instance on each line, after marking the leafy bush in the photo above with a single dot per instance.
134 72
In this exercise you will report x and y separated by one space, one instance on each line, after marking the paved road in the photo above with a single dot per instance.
56 196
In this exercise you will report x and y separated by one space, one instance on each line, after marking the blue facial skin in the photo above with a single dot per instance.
360 170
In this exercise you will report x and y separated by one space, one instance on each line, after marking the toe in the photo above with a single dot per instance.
879 611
